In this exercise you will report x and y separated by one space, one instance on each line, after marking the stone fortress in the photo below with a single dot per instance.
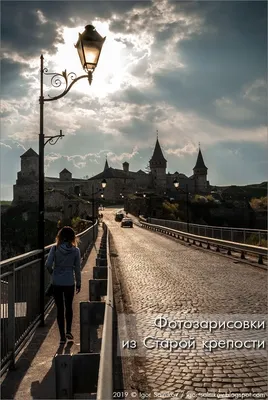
119 181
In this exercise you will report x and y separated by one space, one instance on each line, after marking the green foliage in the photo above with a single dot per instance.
170 210
255 240
75 222
132 196
259 203
5 202
210 198
200 199
79 225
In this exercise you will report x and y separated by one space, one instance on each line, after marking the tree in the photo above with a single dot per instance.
259 203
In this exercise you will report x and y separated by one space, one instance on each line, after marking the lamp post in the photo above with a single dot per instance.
103 186
177 187
150 203
89 47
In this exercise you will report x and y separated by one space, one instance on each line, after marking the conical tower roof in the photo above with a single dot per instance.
29 153
158 154
106 166
200 161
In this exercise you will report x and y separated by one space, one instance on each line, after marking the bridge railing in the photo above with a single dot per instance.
243 249
239 235
105 378
20 297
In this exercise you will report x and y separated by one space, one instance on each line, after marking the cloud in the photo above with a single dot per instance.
189 148
5 145
196 71
256 91
123 156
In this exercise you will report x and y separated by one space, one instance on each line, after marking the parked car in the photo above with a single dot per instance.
127 222
119 216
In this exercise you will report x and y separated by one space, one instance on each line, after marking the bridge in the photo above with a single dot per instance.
189 317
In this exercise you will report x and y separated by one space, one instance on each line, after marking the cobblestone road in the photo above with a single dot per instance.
165 278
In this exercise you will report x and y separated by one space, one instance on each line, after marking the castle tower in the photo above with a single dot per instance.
26 187
29 165
65 175
200 173
125 166
158 165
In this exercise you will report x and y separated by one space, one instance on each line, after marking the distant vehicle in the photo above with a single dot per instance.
119 216
127 222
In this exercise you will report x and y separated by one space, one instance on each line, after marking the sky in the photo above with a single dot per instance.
196 71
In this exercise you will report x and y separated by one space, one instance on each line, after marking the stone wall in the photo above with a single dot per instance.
28 193
30 167
60 205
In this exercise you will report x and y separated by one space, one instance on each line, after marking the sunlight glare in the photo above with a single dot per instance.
109 73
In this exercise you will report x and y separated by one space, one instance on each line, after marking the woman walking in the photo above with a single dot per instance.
67 263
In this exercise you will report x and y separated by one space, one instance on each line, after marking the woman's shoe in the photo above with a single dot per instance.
69 336
63 340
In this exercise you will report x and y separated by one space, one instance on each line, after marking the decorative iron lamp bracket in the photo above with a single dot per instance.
51 139
69 80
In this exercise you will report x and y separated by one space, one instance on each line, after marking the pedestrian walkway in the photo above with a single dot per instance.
34 376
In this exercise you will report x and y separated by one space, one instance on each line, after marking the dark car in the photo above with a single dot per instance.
127 222
119 217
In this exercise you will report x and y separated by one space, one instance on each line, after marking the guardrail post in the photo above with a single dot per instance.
11 317
85 369
242 256
91 314
97 288
63 372
85 327
260 259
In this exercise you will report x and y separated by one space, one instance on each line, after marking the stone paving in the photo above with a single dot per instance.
162 277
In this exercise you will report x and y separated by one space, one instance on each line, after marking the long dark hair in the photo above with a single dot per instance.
67 234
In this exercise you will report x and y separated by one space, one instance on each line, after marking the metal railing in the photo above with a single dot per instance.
239 235
105 378
243 249
20 297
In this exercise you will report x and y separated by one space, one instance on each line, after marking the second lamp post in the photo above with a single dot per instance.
177 187
93 193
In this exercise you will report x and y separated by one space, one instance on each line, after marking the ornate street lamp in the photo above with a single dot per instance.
89 47
177 187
